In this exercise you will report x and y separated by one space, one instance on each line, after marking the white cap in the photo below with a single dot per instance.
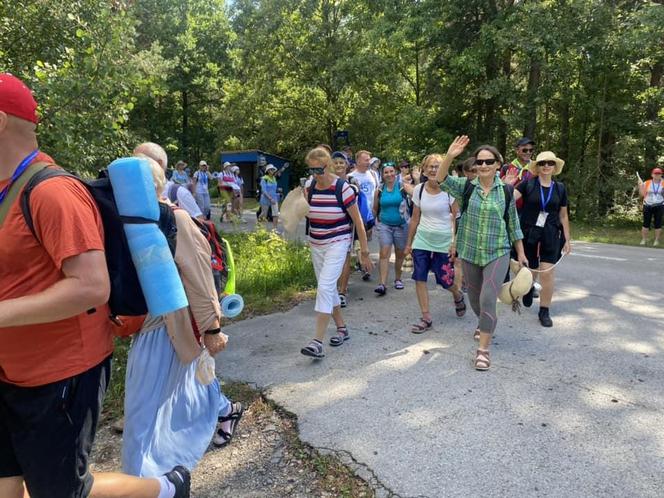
373 160
226 164
235 168
202 163
269 167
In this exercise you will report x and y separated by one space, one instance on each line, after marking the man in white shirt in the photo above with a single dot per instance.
366 178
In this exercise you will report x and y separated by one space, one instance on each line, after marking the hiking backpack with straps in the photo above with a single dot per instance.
126 296
362 204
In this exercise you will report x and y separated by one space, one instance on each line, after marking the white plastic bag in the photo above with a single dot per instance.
205 371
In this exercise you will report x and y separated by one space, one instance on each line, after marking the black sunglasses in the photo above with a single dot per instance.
527 150
546 163
316 171
488 162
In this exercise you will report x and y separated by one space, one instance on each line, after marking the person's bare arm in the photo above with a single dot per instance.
85 285
564 221
456 147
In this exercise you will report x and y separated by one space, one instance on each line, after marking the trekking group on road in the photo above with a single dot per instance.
464 227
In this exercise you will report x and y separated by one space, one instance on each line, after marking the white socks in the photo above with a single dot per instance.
166 488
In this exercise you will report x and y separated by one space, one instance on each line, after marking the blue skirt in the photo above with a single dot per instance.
170 417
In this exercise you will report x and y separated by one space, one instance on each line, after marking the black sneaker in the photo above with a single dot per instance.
181 479
545 319
527 299
366 276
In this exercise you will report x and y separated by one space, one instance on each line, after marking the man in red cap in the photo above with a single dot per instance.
653 205
55 335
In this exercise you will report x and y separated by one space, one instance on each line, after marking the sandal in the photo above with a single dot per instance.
460 306
423 326
380 290
313 349
476 335
221 437
482 361
398 284
341 337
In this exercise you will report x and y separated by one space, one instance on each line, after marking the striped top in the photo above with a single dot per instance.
328 222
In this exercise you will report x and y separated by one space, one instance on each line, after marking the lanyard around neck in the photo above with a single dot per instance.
541 189
23 165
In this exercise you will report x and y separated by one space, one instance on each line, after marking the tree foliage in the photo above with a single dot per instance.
584 78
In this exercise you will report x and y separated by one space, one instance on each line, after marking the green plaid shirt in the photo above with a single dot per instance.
482 235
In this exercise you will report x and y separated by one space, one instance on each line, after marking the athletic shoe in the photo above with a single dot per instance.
544 318
656 243
181 479
643 242
343 302
366 276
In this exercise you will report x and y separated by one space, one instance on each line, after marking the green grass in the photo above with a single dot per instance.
272 275
625 231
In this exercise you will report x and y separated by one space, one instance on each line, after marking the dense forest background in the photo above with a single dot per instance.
584 78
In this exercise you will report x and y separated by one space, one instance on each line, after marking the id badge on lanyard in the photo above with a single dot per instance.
543 215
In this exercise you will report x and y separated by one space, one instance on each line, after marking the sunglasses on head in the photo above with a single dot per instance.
528 151
546 163
488 162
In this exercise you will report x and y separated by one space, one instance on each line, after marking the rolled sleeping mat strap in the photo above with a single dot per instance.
230 263
157 273
232 305
133 188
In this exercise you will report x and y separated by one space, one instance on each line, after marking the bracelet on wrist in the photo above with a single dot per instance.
213 331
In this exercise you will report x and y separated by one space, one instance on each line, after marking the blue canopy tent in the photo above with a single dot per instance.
252 167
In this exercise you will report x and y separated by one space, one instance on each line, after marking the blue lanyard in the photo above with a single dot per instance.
544 203
659 187
18 172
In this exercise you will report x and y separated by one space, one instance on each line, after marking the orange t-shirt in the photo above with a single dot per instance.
68 223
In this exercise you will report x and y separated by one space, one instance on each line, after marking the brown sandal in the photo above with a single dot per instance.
423 326
482 361
476 335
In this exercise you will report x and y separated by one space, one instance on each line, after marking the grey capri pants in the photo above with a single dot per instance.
484 283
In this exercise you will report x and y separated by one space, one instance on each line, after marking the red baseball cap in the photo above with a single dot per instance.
16 98
657 171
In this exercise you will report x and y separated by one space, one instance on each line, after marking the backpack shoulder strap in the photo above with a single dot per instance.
465 197
420 192
16 187
509 194
339 192
310 192
41 175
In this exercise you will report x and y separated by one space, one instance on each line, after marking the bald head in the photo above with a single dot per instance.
153 151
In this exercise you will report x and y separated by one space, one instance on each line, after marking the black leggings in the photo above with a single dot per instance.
650 212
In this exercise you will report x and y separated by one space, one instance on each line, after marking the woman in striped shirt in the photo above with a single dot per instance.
332 214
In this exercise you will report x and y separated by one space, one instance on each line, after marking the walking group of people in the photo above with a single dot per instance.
463 226
56 337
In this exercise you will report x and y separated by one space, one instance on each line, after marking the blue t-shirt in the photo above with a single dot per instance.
390 204
269 187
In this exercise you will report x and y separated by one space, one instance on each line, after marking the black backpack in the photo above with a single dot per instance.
126 294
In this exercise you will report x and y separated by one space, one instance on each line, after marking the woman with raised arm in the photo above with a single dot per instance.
488 227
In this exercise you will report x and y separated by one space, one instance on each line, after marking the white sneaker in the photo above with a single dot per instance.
656 243
536 289
643 242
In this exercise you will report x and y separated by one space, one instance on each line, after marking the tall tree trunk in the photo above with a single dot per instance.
656 80
417 74
185 123
564 128
531 98
501 132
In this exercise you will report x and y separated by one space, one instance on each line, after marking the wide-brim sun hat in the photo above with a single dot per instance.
519 286
270 167
293 210
547 155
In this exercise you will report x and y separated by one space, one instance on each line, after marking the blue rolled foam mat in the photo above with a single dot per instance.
133 188
156 269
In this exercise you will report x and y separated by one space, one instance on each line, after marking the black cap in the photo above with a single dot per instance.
524 141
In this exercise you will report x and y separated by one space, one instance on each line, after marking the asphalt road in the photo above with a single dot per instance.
575 410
